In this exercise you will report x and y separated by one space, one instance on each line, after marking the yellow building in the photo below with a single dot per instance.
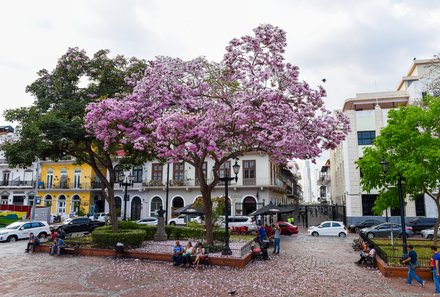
69 189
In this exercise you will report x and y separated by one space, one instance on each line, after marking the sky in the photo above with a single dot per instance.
357 46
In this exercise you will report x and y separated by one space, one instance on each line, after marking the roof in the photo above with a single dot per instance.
368 101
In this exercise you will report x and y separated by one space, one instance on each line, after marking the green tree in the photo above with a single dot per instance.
410 143
53 126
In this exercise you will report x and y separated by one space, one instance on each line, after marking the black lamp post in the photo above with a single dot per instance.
226 179
384 164
125 181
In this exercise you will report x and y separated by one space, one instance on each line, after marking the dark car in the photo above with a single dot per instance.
287 228
419 224
73 225
385 230
363 224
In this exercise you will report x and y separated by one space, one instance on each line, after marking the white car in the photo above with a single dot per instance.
429 233
99 216
152 221
21 230
239 221
182 220
328 228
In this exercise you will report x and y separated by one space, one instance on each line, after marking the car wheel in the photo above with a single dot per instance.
315 234
342 234
42 235
370 235
173 223
430 237
11 238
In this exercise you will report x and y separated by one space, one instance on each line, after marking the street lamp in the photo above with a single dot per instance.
384 164
125 181
226 179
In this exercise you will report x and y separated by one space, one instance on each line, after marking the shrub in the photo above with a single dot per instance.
104 237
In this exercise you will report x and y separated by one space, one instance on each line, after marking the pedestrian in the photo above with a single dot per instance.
33 242
291 220
276 239
412 264
435 269
259 220
262 233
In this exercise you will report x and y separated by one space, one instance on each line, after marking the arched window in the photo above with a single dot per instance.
137 173
176 204
61 205
48 200
156 203
249 205
76 204
136 208
118 201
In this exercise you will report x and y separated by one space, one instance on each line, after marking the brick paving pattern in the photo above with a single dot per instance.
307 266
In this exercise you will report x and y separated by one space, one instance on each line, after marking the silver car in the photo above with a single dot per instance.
385 230
429 233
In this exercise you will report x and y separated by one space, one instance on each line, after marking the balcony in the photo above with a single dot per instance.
249 181
17 183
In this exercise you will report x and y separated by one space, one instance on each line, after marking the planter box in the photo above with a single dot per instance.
218 261
391 271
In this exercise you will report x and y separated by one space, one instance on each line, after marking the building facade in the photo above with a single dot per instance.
368 113
259 182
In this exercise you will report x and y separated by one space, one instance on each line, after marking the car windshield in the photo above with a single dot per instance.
13 226
67 221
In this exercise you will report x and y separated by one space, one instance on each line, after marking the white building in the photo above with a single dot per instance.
368 114
259 182
16 184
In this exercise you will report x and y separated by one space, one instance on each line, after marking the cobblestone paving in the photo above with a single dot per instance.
307 266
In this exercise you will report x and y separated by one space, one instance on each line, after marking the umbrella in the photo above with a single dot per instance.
190 209
271 209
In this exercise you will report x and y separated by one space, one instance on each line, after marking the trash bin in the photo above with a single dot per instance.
119 250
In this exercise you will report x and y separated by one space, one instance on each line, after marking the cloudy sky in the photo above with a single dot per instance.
358 46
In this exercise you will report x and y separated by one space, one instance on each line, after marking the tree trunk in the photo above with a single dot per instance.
207 208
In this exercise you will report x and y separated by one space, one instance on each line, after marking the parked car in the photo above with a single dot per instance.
238 221
429 233
21 230
286 228
419 224
183 219
148 221
363 224
99 216
72 225
328 228
385 230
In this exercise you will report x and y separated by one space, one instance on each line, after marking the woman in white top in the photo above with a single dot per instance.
188 252
200 254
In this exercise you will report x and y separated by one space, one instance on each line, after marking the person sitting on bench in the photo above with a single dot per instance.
58 244
364 255
33 242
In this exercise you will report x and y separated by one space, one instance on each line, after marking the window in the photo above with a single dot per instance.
118 171
156 203
5 178
178 171
367 204
325 225
225 169
249 169
49 179
26 226
77 179
336 225
156 173
366 137
137 173
420 206
395 211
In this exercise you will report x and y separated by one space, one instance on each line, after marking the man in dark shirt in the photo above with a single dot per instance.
33 242
412 264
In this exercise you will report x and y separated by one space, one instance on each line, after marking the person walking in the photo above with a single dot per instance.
276 239
435 269
412 264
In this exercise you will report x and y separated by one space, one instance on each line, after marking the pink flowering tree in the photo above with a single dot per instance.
252 101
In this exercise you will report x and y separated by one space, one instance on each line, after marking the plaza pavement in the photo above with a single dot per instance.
307 266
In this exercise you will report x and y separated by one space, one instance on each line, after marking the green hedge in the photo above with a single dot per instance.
174 232
104 237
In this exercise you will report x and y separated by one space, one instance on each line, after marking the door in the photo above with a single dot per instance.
25 230
336 229
325 229
136 208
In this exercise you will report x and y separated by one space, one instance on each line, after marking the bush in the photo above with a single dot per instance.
131 238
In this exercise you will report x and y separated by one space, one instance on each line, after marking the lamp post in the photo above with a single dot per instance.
226 179
384 164
125 181
167 193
